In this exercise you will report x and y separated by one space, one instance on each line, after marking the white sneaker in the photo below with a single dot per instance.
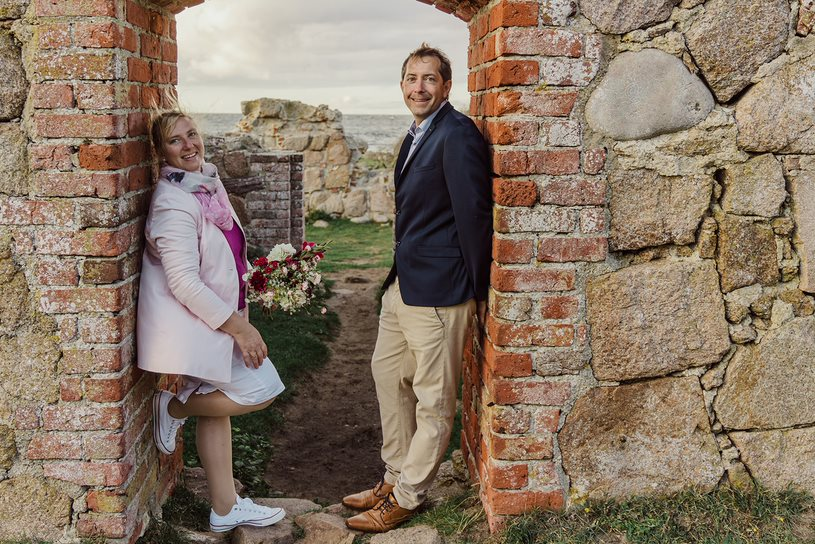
165 426
245 512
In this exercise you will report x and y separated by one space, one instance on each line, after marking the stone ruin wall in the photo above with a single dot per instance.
651 307
335 180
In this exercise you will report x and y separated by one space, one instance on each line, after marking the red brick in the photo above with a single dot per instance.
509 251
76 184
563 250
137 124
510 163
82 361
561 307
109 389
507 476
466 11
87 66
593 221
513 72
130 40
482 26
73 417
530 392
16 211
563 71
506 364
52 125
107 330
52 95
105 446
70 389
90 242
554 162
112 157
547 419
102 525
138 16
57 212
519 502
531 279
150 46
86 299
107 501
139 178
139 70
169 51
539 41
104 96
92 8
53 36
56 271
522 448
104 271
512 132
67 328
510 419
510 192
489 50
594 160
539 219
55 446
508 14
574 192
522 335
50 157
98 35
541 103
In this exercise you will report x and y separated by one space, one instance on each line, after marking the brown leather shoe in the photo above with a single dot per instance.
365 500
386 515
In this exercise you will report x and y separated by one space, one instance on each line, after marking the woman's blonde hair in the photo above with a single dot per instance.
160 124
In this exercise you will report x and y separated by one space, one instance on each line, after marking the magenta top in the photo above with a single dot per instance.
234 238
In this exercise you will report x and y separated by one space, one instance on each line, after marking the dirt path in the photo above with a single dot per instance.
329 446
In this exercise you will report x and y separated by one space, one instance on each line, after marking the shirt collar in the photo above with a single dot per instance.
417 132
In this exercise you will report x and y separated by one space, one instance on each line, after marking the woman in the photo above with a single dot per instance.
192 317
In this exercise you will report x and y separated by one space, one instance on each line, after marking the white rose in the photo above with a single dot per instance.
281 251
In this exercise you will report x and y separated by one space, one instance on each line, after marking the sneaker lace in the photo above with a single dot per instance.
174 425
248 505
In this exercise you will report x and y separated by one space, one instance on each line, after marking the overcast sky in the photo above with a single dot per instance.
344 53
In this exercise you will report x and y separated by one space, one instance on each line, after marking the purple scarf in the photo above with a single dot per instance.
207 188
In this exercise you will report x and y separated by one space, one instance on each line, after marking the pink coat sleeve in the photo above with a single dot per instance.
173 231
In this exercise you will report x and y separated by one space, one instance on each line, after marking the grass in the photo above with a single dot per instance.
355 246
725 516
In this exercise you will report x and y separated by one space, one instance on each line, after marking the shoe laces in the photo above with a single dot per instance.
246 504
386 504
174 425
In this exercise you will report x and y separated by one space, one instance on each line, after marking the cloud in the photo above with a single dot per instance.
344 53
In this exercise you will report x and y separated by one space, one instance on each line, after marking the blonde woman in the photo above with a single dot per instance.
192 318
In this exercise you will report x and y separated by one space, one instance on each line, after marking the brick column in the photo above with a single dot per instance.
550 221
95 67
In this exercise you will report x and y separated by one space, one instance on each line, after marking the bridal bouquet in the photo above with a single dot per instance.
286 278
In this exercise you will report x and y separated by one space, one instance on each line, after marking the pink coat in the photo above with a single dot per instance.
189 288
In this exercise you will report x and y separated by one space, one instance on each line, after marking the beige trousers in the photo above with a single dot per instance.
416 366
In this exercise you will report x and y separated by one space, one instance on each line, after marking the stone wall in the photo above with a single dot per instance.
266 190
335 180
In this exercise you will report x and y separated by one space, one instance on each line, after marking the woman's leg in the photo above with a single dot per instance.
215 404
214 441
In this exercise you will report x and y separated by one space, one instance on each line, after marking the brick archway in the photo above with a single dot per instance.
82 440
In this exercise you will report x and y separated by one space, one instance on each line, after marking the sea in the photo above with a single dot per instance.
381 132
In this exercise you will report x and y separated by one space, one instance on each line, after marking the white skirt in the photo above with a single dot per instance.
248 387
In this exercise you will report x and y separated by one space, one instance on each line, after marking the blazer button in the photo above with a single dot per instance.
397 243
398 212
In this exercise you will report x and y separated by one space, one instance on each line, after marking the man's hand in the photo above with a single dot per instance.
481 313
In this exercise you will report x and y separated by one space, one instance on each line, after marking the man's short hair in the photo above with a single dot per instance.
424 50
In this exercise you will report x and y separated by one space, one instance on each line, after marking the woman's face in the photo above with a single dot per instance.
183 148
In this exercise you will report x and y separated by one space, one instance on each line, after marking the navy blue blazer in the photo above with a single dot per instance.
443 221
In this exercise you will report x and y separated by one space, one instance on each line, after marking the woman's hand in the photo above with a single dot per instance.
249 341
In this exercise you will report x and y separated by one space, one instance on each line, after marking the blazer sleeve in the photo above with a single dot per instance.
174 232
467 174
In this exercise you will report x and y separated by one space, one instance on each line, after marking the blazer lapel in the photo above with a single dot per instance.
447 107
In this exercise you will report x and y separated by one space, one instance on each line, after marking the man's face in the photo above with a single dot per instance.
423 87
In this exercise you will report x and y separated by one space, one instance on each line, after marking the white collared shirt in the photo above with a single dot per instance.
420 131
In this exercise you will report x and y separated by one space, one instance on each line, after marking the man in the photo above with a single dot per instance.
439 280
